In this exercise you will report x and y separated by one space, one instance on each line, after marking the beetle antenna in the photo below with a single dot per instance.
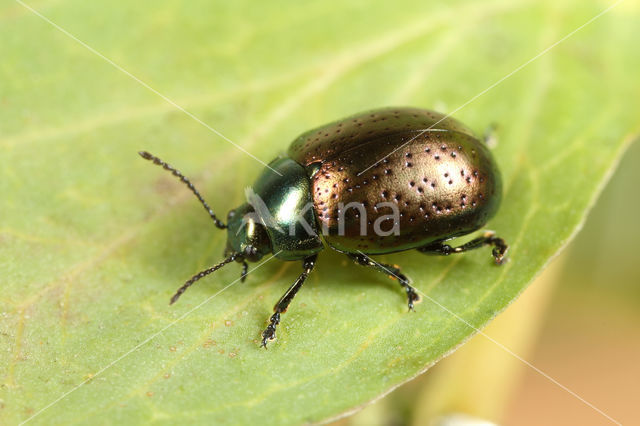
183 178
202 274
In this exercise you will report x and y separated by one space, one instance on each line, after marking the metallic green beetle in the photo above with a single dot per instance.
378 182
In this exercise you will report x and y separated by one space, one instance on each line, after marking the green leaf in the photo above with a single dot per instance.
94 241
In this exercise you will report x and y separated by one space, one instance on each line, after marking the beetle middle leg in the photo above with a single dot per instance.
391 271
488 239
281 307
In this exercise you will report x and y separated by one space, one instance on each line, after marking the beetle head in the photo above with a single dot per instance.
246 234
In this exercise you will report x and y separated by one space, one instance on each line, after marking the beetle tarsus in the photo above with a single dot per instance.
499 251
270 332
396 274
489 238
412 296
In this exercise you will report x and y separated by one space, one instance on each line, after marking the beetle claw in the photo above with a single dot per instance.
412 296
500 251
268 335
270 332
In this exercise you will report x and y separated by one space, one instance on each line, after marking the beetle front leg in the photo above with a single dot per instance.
488 239
281 307
392 272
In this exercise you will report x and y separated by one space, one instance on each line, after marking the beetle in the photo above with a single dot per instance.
339 183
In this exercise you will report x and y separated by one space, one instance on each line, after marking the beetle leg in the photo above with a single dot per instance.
488 239
245 270
392 272
281 307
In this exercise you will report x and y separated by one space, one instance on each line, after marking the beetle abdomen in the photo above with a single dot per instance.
441 184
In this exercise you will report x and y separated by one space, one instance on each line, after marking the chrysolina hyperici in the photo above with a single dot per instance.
378 182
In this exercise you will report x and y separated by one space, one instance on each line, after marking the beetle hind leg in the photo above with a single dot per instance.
393 272
489 238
